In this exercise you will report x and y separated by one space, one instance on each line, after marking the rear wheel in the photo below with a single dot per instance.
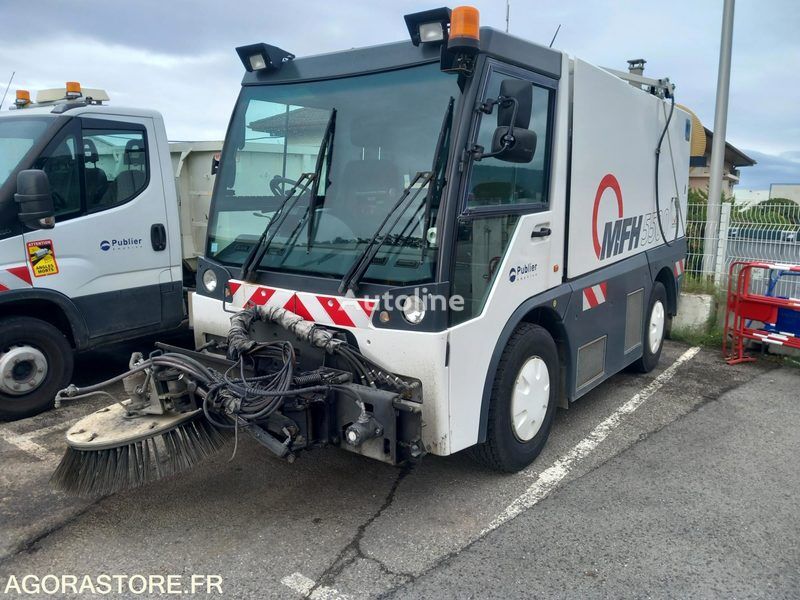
35 363
655 328
523 401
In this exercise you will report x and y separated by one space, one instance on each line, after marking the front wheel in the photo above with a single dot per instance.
655 328
35 363
523 401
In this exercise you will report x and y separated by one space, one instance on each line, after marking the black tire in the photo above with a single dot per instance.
649 359
503 450
51 342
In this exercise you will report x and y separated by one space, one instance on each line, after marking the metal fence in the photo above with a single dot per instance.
768 231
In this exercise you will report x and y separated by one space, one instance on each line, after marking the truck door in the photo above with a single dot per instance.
107 251
508 246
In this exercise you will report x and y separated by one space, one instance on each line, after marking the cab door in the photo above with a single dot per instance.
509 244
107 251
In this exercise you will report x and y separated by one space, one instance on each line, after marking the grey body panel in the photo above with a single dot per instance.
607 321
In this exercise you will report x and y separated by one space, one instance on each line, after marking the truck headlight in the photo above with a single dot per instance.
209 280
414 309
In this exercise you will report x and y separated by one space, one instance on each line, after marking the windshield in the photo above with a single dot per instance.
17 136
386 129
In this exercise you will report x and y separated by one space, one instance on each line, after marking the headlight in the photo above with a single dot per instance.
414 310
209 280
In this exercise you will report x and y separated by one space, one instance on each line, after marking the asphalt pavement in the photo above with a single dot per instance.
680 483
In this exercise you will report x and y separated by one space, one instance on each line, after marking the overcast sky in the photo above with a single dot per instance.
177 56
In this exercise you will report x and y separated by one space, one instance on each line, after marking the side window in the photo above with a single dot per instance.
496 183
60 162
115 166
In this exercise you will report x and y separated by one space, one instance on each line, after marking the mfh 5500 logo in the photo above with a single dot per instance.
622 233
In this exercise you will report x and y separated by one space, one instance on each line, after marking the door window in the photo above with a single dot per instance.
60 162
497 193
115 166
498 184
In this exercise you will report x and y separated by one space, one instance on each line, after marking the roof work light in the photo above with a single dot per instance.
263 57
428 26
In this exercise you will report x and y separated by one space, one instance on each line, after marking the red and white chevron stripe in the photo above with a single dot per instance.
678 268
326 310
595 295
15 278
779 339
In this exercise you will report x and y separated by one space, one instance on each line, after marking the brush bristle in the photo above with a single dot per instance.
102 472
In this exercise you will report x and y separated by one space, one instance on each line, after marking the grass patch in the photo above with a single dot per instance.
711 338
698 284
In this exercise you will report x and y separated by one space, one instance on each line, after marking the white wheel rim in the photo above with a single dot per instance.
22 370
530 398
655 331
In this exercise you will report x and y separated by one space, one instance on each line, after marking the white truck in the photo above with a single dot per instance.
107 259
418 247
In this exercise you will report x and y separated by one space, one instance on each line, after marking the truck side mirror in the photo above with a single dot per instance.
517 145
516 110
512 140
34 199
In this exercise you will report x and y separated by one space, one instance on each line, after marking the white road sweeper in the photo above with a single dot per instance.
419 247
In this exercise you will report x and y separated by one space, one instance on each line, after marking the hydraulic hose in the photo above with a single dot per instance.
658 160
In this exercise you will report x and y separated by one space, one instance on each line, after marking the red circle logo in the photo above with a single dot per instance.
608 181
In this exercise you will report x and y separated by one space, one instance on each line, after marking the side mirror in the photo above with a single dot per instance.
35 200
512 140
516 110
517 145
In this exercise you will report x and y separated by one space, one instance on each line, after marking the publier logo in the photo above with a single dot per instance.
512 275
121 244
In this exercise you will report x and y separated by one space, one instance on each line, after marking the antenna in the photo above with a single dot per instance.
7 88
508 13
555 35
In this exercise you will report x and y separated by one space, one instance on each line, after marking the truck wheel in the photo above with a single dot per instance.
523 401
35 363
655 328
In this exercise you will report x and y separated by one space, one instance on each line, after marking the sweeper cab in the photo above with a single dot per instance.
414 248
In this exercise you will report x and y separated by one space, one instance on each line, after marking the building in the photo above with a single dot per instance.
700 165
790 191
747 198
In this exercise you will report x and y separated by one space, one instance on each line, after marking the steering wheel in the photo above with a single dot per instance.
275 184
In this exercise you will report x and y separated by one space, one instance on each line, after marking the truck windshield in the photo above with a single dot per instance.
386 130
17 136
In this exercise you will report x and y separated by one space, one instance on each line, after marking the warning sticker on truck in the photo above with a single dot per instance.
43 258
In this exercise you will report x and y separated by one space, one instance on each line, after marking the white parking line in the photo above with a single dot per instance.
303 585
24 441
552 476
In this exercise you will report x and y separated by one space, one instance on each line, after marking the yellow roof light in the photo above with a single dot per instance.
73 89
23 98
464 28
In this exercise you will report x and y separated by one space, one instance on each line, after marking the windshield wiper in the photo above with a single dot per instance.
436 187
300 187
421 179
325 155
361 264
324 158
258 251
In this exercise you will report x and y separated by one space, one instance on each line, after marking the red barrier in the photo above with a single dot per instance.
753 316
